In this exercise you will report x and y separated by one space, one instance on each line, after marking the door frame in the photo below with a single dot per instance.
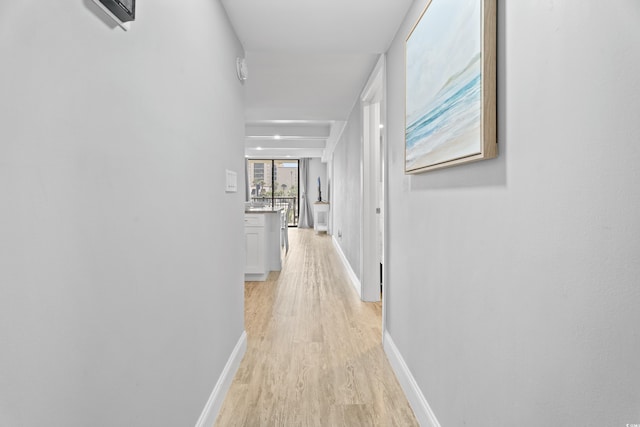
373 109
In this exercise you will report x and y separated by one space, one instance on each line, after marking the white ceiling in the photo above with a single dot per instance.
306 86
308 62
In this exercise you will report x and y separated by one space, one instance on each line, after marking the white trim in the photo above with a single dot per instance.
337 129
352 275
212 408
256 277
374 89
418 402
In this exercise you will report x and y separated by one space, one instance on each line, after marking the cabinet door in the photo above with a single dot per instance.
321 217
254 242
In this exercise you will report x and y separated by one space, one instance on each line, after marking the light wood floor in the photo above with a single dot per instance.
314 355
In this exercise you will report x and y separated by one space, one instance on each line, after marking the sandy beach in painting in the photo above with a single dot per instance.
449 127
454 149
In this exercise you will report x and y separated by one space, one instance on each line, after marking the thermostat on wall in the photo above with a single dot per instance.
231 182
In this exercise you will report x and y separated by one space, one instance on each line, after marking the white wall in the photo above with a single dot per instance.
120 254
346 199
514 283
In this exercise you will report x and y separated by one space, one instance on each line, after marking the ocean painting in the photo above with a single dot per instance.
444 85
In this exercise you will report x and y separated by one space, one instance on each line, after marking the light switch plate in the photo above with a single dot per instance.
231 185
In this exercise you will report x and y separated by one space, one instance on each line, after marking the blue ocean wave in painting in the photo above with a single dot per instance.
453 113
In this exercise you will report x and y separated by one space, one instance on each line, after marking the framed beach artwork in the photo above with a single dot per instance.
450 115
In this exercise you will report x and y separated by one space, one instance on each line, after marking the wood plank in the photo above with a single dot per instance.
314 353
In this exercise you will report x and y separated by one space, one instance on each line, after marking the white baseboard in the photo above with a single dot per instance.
352 275
418 402
211 410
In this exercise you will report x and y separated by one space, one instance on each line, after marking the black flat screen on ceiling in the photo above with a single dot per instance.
124 10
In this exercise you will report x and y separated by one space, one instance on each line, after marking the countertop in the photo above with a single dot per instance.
262 210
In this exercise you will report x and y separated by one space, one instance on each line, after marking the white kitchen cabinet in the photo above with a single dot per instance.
262 244
254 244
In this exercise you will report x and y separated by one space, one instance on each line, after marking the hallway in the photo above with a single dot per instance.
314 355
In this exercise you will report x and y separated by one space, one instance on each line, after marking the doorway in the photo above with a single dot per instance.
373 184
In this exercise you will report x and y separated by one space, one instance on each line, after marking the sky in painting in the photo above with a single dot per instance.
442 44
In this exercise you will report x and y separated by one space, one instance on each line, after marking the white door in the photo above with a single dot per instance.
371 203
373 182
380 201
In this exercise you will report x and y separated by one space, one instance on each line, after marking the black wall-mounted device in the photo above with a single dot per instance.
124 10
